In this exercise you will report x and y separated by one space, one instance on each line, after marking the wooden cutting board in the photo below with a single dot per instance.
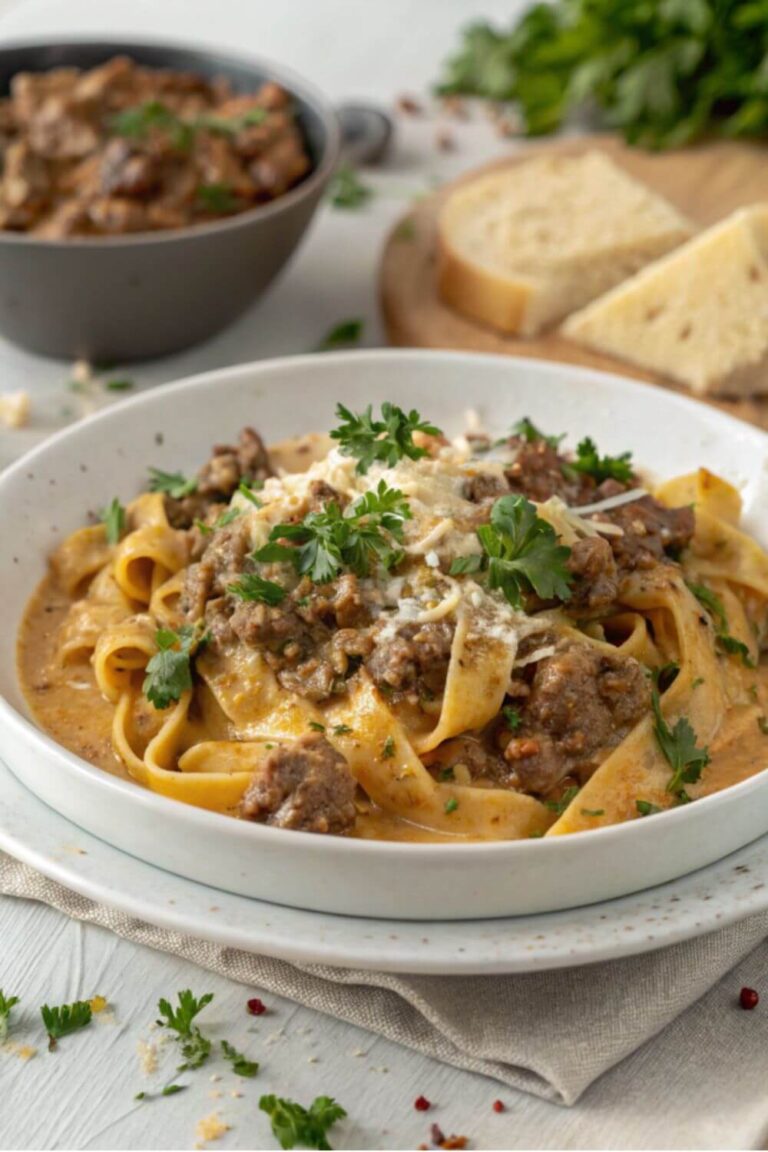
706 183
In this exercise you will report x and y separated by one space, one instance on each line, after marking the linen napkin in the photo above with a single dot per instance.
549 1033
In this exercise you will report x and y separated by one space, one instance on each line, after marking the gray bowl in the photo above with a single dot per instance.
149 294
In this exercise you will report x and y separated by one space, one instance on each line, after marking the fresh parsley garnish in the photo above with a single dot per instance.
293 1124
217 199
316 726
113 518
678 745
250 586
195 1048
138 121
450 806
119 384
388 748
559 806
168 1090
64 1020
249 491
324 543
169 671
591 463
593 811
171 483
7 1004
528 431
387 440
239 1063
714 605
645 808
465 565
347 190
342 335
523 554
342 730
512 717
446 774
223 520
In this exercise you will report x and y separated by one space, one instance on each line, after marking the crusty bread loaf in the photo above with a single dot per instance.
521 248
698 315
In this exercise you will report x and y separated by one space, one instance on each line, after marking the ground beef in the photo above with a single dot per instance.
218 479
481 760
596 582
306 785
583 702
539 472
484 486
414 661
650 531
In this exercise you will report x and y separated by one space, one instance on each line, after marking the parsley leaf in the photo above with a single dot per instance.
248 491
168 1090
195 1048
523 553
293 1124
593 811
450 806
347 190
679 747
119 384
388 440
169 672
225 518
464 565
559 806
171 483
528 431
113 518
217 199
512 717
253 587
65 1019
591 463
7 1004
388 748
327 542
645 808
239 1063
341 335
714 605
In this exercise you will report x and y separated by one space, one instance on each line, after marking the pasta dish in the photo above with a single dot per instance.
381 633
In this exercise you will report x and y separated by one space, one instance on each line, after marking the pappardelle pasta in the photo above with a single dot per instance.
383 633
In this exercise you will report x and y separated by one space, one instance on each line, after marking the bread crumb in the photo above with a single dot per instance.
215 1094
82 372
312 1060
14 409
235 1094
22 1051
215 1077
211 1128
147 1057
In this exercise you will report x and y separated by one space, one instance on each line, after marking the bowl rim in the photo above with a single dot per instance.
245 831
292 81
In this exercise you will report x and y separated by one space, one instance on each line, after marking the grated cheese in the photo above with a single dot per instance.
211 1127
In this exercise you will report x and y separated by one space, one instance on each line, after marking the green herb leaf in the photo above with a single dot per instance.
7 1004
119 385
523 552
464 565
223 520
528 431
195 1048
168 1090
316 726
347 190
169 671
645 808
714 605
137 122
253 587
450 806
387 440
218 199
342 335
113 518
248 491
559 806
591 463
342 730
593 811
64 1020
512 717
239 1063
736 647
292 1124
678 744
171 483
327 542
388 748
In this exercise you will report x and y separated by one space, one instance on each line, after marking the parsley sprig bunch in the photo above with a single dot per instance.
325 543
680 750
195 1047
63 1020
7 1004
138 121
293 1124
387 440
521 554
527 430
714 605
589 461
172 484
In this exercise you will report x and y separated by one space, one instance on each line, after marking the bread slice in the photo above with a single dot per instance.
521 248
698 315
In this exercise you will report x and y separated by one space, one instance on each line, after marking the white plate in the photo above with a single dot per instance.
47 494
712 898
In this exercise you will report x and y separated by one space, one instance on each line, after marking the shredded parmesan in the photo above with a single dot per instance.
611 502
211 1127
534 657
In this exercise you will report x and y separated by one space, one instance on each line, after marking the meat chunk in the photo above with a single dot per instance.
126 171
218 479
583 702
485 486
650 530
539 473
305 785
468 758
596 580
414 661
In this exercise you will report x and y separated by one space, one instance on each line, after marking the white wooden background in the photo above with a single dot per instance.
82 1096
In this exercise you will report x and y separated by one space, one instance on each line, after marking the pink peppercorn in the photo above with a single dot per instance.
256 1007
749 998
421 1104
498 1106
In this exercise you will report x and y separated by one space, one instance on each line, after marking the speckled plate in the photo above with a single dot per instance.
711 898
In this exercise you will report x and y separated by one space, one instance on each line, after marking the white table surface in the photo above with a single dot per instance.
82 1096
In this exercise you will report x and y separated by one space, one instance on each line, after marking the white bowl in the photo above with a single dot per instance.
47 494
